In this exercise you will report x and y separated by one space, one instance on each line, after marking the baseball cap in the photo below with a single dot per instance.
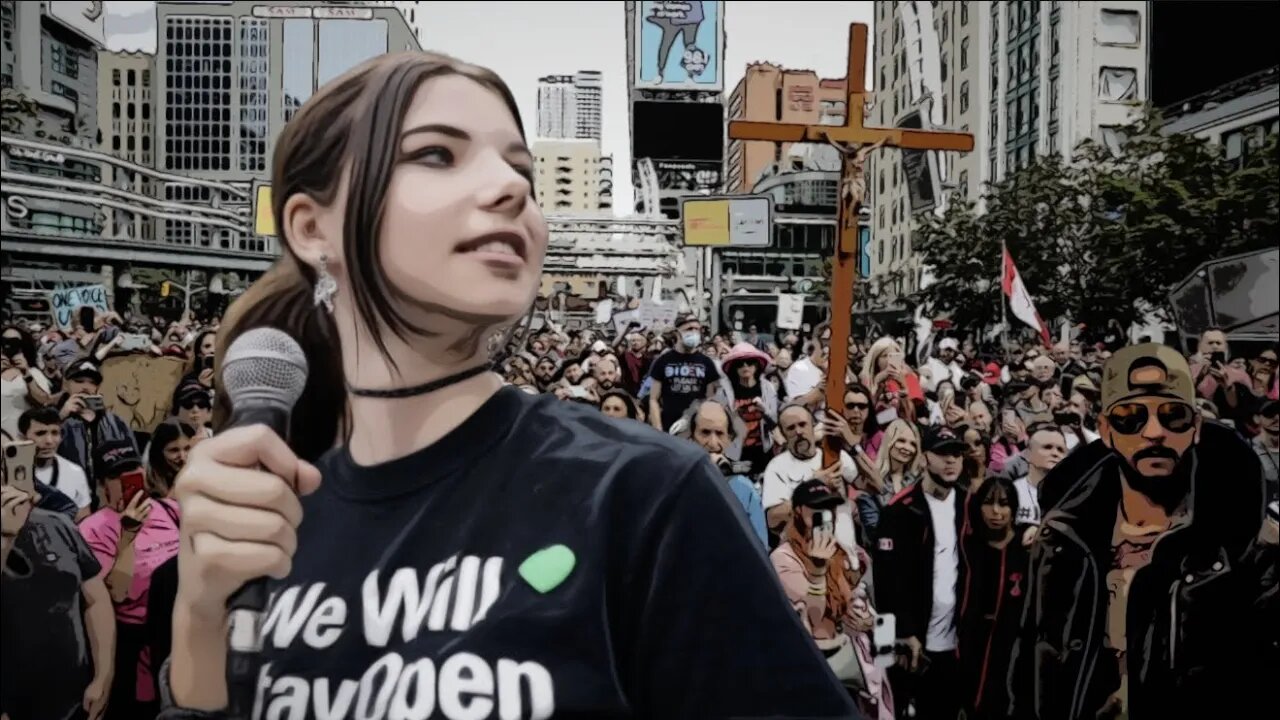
684 318
815 494
1146 370
113 458
942 439
84 368
949 344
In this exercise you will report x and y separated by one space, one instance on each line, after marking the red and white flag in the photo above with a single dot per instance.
1020 302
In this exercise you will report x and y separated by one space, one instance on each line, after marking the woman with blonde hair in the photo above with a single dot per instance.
894 384
899 465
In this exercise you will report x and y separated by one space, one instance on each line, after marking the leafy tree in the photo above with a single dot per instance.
1102 237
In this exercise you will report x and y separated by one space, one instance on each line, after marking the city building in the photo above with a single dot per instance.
569 106
127 104
231 74
1238 116
568 176
605 183
770 93
1025 78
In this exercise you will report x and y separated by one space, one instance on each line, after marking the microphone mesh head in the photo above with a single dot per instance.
264 366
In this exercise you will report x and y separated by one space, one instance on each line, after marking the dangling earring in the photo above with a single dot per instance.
326 286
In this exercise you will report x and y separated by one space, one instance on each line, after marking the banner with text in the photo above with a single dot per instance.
65 303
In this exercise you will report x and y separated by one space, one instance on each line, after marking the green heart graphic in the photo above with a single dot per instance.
547 568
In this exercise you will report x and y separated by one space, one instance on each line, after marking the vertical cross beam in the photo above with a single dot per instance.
853 134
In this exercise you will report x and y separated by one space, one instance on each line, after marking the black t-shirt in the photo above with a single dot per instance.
542 560
44 644
684 378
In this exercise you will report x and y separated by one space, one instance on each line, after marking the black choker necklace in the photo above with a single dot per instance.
423 389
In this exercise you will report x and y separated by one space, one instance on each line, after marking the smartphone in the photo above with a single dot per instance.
87 317
20 465
134 342
206 362
1218 358
1066 418
578 392
884 636
12 347
132 483
822 520
94 403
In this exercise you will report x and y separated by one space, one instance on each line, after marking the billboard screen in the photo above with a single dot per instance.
677 131
679 45
919 170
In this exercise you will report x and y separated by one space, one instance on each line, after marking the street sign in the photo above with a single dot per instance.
727 220
264 221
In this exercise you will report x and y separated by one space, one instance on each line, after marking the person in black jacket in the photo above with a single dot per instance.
917 574
1144 596
993 587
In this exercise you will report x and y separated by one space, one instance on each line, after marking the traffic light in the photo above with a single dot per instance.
164 289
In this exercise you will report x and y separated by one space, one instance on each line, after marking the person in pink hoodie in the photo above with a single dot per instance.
825 586
130 536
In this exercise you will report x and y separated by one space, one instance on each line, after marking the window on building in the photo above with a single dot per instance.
146 78
115 143
146 111
297 71
347 43
946 27
1054 45
964 97
946 107
964 12
944 68
964 183
964 54
1119 27
58 88
1117 84
64 59
1112 138
115 111
1053 141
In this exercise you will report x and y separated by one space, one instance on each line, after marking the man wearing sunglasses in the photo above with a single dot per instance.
1143 600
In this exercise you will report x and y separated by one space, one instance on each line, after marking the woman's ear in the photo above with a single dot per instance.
305 229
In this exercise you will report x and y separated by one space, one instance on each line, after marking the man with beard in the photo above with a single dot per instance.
1143 600
802 461
917 569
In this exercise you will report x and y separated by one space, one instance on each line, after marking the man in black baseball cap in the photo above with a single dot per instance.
86 422
918 556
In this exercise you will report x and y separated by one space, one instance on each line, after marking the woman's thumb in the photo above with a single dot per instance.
308 478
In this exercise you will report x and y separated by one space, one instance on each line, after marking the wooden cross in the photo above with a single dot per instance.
855 141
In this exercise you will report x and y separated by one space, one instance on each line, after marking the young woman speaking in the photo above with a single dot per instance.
468 551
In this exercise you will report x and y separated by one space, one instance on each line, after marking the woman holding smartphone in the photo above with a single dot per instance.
133 533
468 549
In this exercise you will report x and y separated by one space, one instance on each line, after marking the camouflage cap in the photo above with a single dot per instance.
1146 370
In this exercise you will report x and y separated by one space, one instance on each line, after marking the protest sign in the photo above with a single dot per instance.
65 303
139 388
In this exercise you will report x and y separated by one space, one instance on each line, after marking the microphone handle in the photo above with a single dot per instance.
247 606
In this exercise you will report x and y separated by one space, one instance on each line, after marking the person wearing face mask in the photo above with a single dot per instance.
991 595
917 567
1154 532
468 549
681 376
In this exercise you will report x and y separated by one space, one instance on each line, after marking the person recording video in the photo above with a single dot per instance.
468 549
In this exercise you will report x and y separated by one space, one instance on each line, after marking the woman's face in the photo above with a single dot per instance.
903 449
208 344
461 234
195 412
856 408
175 453
974 449
613 406
746 371
996 512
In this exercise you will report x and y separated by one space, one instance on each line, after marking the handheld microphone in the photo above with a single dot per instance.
264 373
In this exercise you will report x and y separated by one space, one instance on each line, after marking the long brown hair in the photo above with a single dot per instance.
347 128
840 580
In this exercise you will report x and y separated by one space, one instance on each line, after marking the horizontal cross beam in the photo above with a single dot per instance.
904 138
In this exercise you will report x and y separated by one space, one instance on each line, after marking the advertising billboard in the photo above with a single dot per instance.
733 221
920 167
685 131
679 45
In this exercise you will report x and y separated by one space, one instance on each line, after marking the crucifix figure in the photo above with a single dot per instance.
855 141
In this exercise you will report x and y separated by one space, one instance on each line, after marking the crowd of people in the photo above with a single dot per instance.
910 561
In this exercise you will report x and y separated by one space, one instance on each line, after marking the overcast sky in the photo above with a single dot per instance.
523 41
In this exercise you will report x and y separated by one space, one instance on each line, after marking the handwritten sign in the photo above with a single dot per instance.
790 311
654 315
139 388
66 302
